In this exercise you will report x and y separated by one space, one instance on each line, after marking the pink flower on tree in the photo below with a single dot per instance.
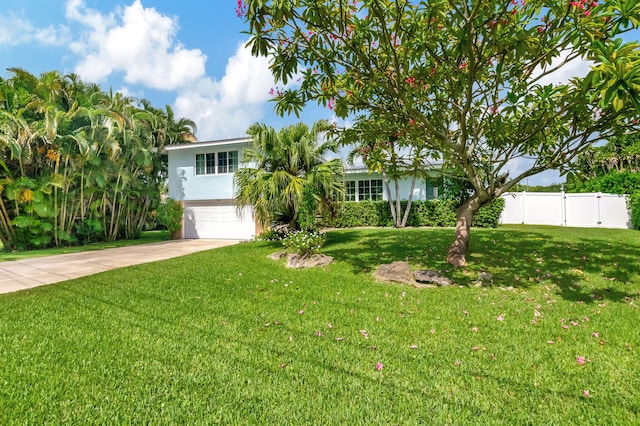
241 9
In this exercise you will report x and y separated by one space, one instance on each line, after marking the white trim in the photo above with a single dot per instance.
357 188
207 144
216 164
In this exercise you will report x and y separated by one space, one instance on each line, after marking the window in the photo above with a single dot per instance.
228 162
350 187
222 162
213 163
199 164
376 189
364 190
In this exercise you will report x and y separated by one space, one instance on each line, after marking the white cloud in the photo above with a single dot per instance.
137 41
15 30
576 68
226 108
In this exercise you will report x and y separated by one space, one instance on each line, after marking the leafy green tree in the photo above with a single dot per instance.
619 154
388 150
466 79
78 164
613 167
286 171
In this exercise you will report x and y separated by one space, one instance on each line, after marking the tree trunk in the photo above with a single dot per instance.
398 215
458 249
409 200
385 181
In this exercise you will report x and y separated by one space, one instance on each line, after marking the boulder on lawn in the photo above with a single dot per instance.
278 255
396 272
296 261
431 277
484 278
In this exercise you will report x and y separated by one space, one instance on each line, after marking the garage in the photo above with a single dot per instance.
217 220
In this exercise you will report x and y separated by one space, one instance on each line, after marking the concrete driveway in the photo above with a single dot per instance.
28 273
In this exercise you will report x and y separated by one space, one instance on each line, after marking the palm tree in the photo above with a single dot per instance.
286 172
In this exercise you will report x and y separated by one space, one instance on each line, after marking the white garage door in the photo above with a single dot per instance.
218 221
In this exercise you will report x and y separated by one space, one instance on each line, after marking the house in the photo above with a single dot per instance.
201 177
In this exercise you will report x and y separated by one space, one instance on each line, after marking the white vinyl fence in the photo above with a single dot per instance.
592 210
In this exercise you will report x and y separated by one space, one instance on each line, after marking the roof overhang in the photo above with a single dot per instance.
207 144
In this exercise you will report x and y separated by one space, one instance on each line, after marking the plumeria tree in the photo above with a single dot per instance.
388 150
473 81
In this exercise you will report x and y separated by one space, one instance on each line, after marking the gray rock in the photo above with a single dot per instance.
429 276
483 278
278 255
422 285
296 261
397 272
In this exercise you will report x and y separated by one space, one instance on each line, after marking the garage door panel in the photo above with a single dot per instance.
218 222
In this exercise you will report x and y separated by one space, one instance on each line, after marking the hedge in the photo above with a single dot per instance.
423 213
633 203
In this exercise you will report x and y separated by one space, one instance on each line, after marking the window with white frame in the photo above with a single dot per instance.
213 163
350 189
370 189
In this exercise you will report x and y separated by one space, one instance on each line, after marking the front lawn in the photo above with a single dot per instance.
229 336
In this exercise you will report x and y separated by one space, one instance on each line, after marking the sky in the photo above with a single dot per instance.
186 54
190 55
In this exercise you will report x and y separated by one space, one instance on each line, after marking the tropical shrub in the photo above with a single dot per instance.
271 235
614 182
169 215
77 164
89 231
285 175
304 243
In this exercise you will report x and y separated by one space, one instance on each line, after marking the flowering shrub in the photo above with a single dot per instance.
304 243
271 235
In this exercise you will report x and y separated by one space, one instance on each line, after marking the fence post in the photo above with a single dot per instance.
563 207
599 200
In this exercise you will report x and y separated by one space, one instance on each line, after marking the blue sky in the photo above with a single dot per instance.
187 54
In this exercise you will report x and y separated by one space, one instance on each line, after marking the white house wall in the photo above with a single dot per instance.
184 184
419 191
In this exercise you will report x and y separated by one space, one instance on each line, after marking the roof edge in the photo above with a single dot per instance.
205 144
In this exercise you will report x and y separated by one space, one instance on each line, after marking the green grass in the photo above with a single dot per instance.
145 238
231 337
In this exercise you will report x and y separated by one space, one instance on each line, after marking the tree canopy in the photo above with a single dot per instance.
618 154
78 164
286 176
474 82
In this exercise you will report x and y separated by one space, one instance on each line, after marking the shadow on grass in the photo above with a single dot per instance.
584 266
